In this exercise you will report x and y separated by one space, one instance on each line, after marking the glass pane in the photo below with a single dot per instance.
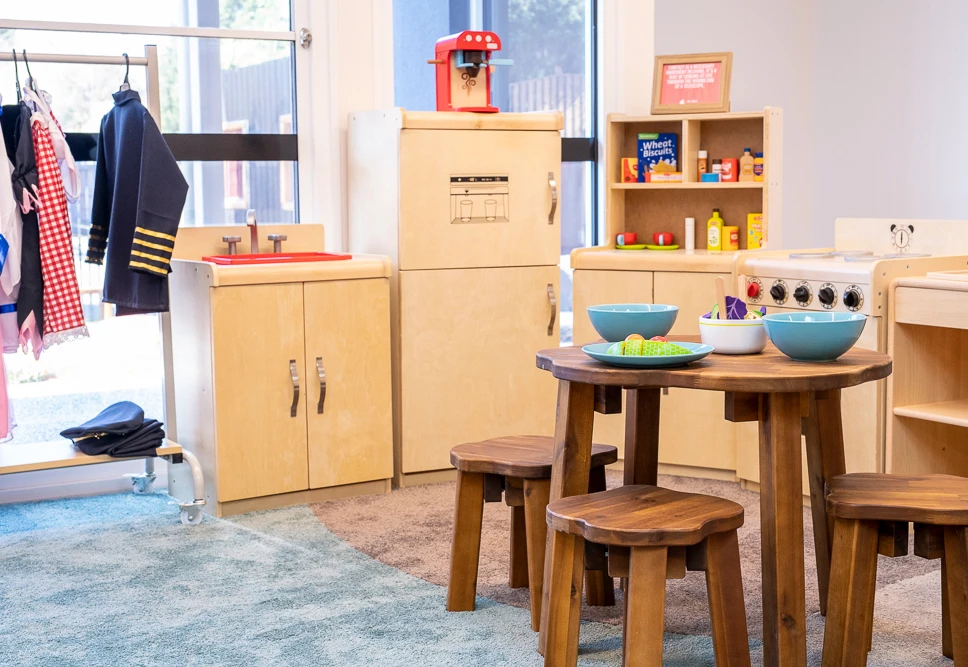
237 14
207 85
548 40
576 231
417 25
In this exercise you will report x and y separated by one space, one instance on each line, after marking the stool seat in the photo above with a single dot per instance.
521 456
641 516
940 500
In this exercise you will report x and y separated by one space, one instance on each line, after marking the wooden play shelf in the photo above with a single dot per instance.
943 412
688 186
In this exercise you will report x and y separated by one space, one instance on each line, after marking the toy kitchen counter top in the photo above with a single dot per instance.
355 268
612 259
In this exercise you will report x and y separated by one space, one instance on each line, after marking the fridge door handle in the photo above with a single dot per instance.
322 385
554 197
295 387
554 309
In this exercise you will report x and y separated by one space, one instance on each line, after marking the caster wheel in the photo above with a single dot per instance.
191 517
142 485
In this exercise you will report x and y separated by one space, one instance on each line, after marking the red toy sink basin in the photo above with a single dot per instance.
275 258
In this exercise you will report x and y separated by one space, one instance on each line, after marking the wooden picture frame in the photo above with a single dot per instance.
709 96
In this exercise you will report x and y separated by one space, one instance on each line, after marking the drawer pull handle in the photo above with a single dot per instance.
554 199
295 387
322 385
554 309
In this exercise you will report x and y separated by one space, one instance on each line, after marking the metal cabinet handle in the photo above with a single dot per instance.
554 198
322 385
554 309
295 387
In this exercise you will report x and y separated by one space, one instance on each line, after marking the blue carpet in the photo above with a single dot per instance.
117 580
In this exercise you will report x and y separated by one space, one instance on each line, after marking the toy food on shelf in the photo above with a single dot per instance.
710 178
630 169
736 309
730 238
657 153
758 167
636 346
746 166
664 177
690 233
702 162
714 232
754 231
730 169
718 167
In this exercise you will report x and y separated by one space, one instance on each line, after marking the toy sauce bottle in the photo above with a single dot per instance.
714 231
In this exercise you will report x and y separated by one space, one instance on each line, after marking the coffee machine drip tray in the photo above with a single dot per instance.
479 198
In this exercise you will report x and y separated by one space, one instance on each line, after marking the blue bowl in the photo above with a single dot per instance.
814 336
617 321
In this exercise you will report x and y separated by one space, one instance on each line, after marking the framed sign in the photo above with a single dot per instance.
691 83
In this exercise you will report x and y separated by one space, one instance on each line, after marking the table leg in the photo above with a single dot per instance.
642 436
824 434
570 469
784 601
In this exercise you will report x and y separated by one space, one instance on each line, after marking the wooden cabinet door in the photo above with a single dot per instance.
468 341
590 288
478 198
348 336
692 430
261 447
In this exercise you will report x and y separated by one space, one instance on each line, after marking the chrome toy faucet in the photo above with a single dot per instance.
253 231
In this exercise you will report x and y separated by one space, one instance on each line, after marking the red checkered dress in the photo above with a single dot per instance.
63 315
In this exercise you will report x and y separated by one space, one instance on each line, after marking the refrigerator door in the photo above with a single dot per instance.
479 198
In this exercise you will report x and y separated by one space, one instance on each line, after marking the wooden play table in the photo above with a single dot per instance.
769 388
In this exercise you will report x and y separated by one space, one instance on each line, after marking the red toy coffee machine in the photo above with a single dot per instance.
461 61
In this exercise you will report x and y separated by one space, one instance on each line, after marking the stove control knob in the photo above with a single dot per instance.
754 288
853 298
779 292
803 294
827 296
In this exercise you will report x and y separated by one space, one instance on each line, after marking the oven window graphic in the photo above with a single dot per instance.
476 198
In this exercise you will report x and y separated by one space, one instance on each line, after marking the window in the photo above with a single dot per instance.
552 45
225 101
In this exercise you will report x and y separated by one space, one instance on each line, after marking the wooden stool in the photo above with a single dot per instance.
520 468
661 533
872 513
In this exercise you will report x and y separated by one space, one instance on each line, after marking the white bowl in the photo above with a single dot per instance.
733 336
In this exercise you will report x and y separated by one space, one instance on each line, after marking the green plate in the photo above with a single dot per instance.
636 246
662 247
599 352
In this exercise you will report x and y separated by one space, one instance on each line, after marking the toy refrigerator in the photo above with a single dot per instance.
465 205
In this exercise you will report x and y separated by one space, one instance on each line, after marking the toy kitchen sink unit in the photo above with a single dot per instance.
853 276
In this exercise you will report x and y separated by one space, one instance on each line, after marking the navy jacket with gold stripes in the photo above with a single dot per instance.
139 194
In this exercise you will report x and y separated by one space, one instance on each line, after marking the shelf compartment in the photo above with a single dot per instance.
732 185
953 413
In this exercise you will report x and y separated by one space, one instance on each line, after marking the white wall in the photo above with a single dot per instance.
873 94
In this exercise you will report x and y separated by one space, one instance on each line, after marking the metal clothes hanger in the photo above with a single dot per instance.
16 74
127 69
30 77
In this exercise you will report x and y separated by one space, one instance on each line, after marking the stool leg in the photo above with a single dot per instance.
945 613
851 587
956 563
564 601
536 492
599 587
466 550
518 572
727 608
645 610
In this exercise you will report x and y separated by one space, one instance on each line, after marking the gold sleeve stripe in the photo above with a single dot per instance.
156 246
96 227
148 267
154 258
157 235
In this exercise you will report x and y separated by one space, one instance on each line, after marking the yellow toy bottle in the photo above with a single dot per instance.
714 231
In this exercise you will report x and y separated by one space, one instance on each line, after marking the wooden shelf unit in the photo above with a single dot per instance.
927 394
646 208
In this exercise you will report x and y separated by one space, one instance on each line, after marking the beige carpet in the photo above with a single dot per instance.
410 529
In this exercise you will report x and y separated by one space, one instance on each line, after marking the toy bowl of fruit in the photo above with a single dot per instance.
741 332
637 352
814 336
617 321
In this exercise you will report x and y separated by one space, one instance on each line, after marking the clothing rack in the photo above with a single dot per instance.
49 457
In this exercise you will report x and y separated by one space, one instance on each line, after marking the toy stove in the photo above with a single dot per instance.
463 66
854 276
